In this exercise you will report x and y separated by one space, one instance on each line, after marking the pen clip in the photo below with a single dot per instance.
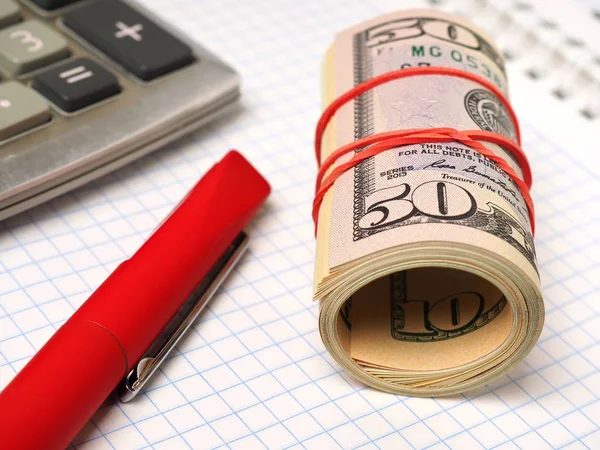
143 369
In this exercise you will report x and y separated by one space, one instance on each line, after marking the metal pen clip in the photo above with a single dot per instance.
143 369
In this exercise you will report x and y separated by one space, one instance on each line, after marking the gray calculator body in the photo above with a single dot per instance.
74 148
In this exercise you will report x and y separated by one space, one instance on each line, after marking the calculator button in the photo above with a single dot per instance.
29 45
132 40
20 109
52 4
9 12
76 84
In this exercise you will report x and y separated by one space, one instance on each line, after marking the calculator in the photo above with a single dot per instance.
87 86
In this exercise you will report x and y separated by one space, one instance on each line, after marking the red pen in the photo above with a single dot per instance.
129 324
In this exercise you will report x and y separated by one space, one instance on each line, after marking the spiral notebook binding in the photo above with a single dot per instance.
532 38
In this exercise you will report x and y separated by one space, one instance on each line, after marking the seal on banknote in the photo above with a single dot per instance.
488 112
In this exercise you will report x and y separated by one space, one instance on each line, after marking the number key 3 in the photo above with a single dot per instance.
29 45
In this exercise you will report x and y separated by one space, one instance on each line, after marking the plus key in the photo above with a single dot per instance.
129 38
132 31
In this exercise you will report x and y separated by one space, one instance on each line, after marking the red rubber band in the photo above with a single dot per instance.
380 142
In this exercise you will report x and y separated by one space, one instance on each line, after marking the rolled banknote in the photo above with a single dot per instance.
425 265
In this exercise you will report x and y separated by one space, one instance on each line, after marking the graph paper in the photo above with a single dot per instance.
252 373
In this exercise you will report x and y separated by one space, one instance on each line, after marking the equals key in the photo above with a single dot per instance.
76 84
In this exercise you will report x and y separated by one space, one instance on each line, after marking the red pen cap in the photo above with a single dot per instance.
62 386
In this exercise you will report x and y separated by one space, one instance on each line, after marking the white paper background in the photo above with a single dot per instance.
253 373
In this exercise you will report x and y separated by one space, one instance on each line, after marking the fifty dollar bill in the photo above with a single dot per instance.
425 269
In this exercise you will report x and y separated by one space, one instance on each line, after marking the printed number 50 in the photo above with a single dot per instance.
437 199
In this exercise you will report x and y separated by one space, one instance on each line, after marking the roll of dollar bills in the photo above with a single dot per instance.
425 265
